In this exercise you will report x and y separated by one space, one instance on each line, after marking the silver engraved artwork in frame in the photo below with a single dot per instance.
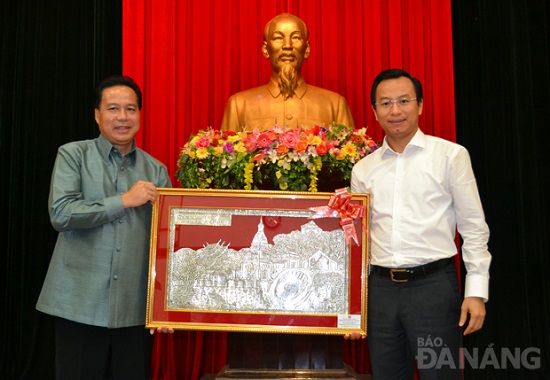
304 271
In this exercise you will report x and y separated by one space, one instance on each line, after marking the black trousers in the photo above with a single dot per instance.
96 353
415 322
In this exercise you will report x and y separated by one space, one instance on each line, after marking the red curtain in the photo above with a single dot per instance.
189 56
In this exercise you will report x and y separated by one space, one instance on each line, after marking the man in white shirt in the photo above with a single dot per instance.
422 189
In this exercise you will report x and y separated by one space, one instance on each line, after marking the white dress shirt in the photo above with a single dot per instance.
418 200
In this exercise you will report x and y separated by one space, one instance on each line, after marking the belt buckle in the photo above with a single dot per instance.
397 270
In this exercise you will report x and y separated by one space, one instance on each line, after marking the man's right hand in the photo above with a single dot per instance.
139 194
355 336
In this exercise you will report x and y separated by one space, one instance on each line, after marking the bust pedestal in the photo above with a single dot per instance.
285 356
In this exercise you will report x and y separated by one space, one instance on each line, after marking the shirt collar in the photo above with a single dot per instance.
418 140
105 147
275 91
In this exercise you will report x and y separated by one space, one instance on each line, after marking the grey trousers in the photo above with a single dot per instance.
415 323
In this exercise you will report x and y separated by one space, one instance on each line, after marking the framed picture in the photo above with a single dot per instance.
259 261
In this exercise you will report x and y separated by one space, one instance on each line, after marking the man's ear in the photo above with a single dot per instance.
375 114
264 50
306 53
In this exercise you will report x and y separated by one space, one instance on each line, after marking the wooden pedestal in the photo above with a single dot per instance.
285 356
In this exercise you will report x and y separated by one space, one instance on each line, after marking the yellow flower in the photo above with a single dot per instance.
278 174
315 140
193 141
191 154
283 185
202 153
248 178
233 139
313 180
313 183
347 150
318 163
350 149
218 150
239 147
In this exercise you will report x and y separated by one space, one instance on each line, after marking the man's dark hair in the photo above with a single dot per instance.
394 74
117 80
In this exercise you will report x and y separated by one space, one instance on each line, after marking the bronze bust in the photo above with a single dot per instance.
287 100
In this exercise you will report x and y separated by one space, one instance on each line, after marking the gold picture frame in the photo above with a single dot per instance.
259 261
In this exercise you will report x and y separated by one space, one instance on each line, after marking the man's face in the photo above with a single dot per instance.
286 43
398 121
118 116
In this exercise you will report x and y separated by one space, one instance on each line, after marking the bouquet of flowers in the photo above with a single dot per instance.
303 159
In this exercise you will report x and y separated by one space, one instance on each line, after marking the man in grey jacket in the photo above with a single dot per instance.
101 197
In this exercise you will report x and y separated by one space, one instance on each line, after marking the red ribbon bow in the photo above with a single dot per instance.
339 205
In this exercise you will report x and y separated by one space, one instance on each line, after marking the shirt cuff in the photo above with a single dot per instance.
114 207
477 286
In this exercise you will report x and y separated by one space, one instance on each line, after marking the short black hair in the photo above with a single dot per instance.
394 74
116 80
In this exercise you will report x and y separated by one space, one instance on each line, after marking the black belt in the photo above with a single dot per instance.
406 274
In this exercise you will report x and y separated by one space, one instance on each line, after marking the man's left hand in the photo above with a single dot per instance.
162 329
475 308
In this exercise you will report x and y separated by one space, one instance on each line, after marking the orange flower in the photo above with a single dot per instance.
216 134
356 139
272 135
258 157
301 146
282 149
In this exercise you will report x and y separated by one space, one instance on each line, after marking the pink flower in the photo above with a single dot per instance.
264 140
332 144
202 143
289 138
228 148
250 143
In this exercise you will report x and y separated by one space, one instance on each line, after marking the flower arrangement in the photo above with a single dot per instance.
303 159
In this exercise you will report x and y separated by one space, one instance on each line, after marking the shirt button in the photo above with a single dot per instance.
120 220
289 117
115 277
122 168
